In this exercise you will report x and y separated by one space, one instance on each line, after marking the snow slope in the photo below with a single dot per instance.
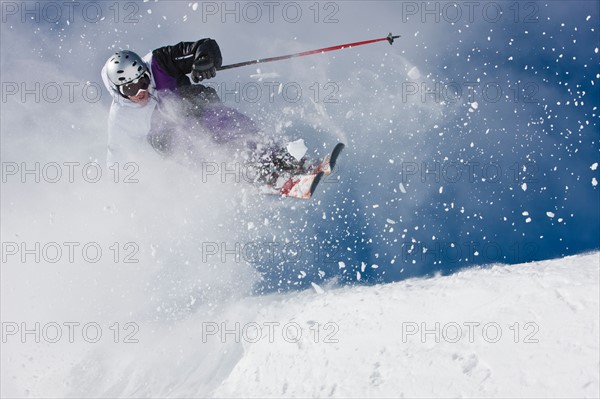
528 330
384 350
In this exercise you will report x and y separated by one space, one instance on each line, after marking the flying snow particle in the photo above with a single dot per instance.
297 149
402 189
358 276
594 166
195 6
525 213
524 186
341 265
441 189
317 289
528 220
414 73
363 266
594 182
550 214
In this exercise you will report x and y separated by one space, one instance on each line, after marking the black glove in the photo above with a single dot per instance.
203 68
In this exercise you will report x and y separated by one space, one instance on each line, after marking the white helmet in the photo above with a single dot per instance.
124 66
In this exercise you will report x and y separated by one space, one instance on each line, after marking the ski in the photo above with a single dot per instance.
303 186
330 160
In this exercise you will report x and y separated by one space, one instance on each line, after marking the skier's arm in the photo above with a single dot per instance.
200 58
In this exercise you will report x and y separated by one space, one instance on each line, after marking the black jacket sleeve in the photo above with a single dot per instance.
177 60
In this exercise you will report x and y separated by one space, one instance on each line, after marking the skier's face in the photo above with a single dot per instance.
137 89
141 98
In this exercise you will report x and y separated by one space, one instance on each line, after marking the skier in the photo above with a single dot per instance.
155 102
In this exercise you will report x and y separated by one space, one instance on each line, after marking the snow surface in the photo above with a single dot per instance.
528 330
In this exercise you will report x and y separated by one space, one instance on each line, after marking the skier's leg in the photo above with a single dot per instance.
270 162
227 125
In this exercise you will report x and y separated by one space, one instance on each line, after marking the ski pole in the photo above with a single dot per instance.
390 38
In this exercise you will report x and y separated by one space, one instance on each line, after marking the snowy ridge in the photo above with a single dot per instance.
378 355
361 341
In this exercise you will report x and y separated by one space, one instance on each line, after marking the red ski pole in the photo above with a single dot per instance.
390 38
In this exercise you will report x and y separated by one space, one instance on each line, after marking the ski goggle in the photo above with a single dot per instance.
133 88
